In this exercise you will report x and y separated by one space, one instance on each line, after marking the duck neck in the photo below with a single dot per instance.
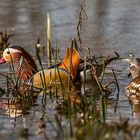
25 67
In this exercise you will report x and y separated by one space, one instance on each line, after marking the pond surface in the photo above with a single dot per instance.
112 25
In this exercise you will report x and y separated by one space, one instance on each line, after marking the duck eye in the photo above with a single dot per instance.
8 52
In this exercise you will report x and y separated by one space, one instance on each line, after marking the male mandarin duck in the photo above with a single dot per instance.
26 69
133 88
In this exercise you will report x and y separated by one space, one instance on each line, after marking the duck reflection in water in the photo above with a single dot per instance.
16 106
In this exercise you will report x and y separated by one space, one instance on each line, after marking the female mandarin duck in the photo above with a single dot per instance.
26 68
133 88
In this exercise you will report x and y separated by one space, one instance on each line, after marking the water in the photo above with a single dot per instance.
112 25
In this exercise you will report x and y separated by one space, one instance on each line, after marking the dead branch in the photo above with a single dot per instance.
82 15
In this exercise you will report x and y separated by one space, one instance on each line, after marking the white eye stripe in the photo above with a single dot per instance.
10 51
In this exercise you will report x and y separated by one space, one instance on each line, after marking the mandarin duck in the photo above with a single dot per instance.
26 68
133 88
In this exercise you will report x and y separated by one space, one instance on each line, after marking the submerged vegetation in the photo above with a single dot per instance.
77 111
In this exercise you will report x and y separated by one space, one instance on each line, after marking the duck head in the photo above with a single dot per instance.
134 65
24 65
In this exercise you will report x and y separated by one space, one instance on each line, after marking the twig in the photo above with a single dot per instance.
97 80
80 21
118 90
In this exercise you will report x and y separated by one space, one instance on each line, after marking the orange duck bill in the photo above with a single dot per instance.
27 70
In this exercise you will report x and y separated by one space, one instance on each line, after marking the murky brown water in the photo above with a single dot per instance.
112 25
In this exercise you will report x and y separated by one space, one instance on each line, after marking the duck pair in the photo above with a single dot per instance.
26 68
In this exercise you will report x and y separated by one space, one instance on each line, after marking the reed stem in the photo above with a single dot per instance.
49 40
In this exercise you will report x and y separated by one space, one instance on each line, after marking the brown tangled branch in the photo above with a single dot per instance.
82 14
